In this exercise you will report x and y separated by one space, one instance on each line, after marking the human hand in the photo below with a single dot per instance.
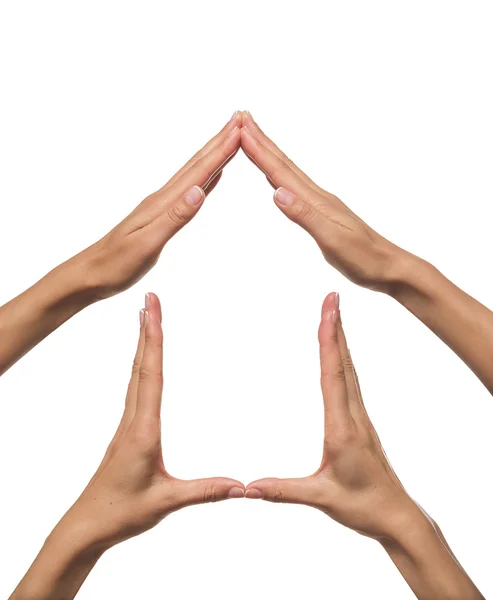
131 490
347 243
355 484
132 248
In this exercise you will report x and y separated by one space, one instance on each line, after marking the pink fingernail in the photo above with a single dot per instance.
235 114
148 301
236 492
253 494
233 132
284 197
336 299
194 196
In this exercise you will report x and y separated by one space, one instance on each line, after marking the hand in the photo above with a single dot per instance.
347 243
120 258
133 247
130 492
355 484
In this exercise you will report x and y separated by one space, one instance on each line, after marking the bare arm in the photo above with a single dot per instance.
356 485
130 492
121 258
370 260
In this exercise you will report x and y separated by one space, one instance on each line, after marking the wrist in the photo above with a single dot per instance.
423 557
409 275
60 568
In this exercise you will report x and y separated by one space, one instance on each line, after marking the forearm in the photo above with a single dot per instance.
34 314
59 570
426 562
462 322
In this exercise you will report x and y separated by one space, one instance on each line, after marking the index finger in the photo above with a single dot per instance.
277 172
253 127
149 393
235 121
333 379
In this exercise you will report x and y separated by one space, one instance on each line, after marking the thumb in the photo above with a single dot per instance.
300 211
177 213
213 489
294 491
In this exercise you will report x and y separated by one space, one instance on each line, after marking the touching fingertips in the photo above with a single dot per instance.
282 196
236 492
194 195
253 494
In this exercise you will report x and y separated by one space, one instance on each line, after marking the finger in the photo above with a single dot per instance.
304 490
235 121
204 169
131 397
302 212
333 378
212 184
256 131
214 489
271 165
355 399
152 303
175 216
150 386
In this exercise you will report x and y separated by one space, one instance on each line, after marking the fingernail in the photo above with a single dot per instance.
143 317
248 114
148 301
233 132
335 314
235 114
236 492
284 197
194 196
253 494
336 299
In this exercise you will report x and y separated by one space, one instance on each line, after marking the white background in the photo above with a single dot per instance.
387 105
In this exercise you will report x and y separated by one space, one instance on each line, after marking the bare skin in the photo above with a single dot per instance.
130 492
370 260
356 485
121 257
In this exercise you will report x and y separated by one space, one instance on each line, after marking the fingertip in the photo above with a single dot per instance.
284 197
331 302
194 196
236 492
327 330
253 494
152 303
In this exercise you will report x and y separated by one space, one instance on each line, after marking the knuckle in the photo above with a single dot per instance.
210 494
347 363
146 374
278 495
304 211
340 374
178 214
